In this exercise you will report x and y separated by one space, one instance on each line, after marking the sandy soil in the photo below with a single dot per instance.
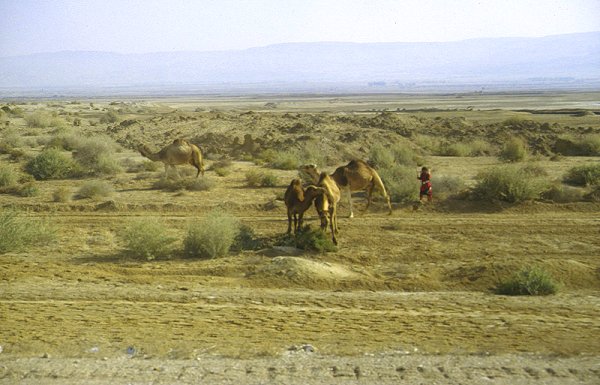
406 298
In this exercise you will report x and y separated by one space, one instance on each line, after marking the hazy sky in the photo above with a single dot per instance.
133 26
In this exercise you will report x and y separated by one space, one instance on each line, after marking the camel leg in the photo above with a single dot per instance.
289 230
300 220
333 226
369 196
350 202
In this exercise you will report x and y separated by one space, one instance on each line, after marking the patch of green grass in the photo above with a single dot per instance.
18 232
528 281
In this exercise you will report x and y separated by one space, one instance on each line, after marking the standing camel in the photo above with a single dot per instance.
297 201
355 176
326 204
179 152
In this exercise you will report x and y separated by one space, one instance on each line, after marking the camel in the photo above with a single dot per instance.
176 153
355 176
297 201
326 204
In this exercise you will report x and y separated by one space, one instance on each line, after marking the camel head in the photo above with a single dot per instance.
311 171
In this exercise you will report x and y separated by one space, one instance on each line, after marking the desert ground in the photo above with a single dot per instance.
405 298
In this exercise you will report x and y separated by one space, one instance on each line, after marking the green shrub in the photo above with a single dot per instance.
562 194
456 149
43 119
147 238
61 194
401 183
212 236
586 145
51 164
446 185
28 189
109 117
18 232
382 157
8 176
256 178
95 189
222 167
509 183
96 155
585 175
528 281
285 160
11 138
514 150
314 239
246 239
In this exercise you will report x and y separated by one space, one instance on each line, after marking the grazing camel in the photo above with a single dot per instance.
355 176
176 153
326 204
297 201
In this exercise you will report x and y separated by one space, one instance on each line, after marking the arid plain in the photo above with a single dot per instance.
406 298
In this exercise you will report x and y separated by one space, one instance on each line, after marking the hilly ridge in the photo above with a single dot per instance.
567 59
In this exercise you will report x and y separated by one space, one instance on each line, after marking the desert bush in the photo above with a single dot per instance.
314 239
562 194
95 189
148 238
109 117
401 183
190 184
222 167
11 138
28 189
43 119
285 160
585 175
586 145
18 232
97 155
514 150
257 178
382 157
212 236
480 147
528 281
61 194
8 176
51 164
509 183
246 239
444 186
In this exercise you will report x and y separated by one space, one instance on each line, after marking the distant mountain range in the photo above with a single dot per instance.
572 59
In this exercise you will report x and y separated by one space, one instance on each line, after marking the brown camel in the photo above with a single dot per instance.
326 204
355 176
297 201
176 153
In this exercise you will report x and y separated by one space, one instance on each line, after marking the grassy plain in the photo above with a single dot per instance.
419 280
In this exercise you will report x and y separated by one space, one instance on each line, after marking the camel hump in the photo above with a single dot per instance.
180 142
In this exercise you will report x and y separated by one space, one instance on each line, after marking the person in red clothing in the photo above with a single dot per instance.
425 178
